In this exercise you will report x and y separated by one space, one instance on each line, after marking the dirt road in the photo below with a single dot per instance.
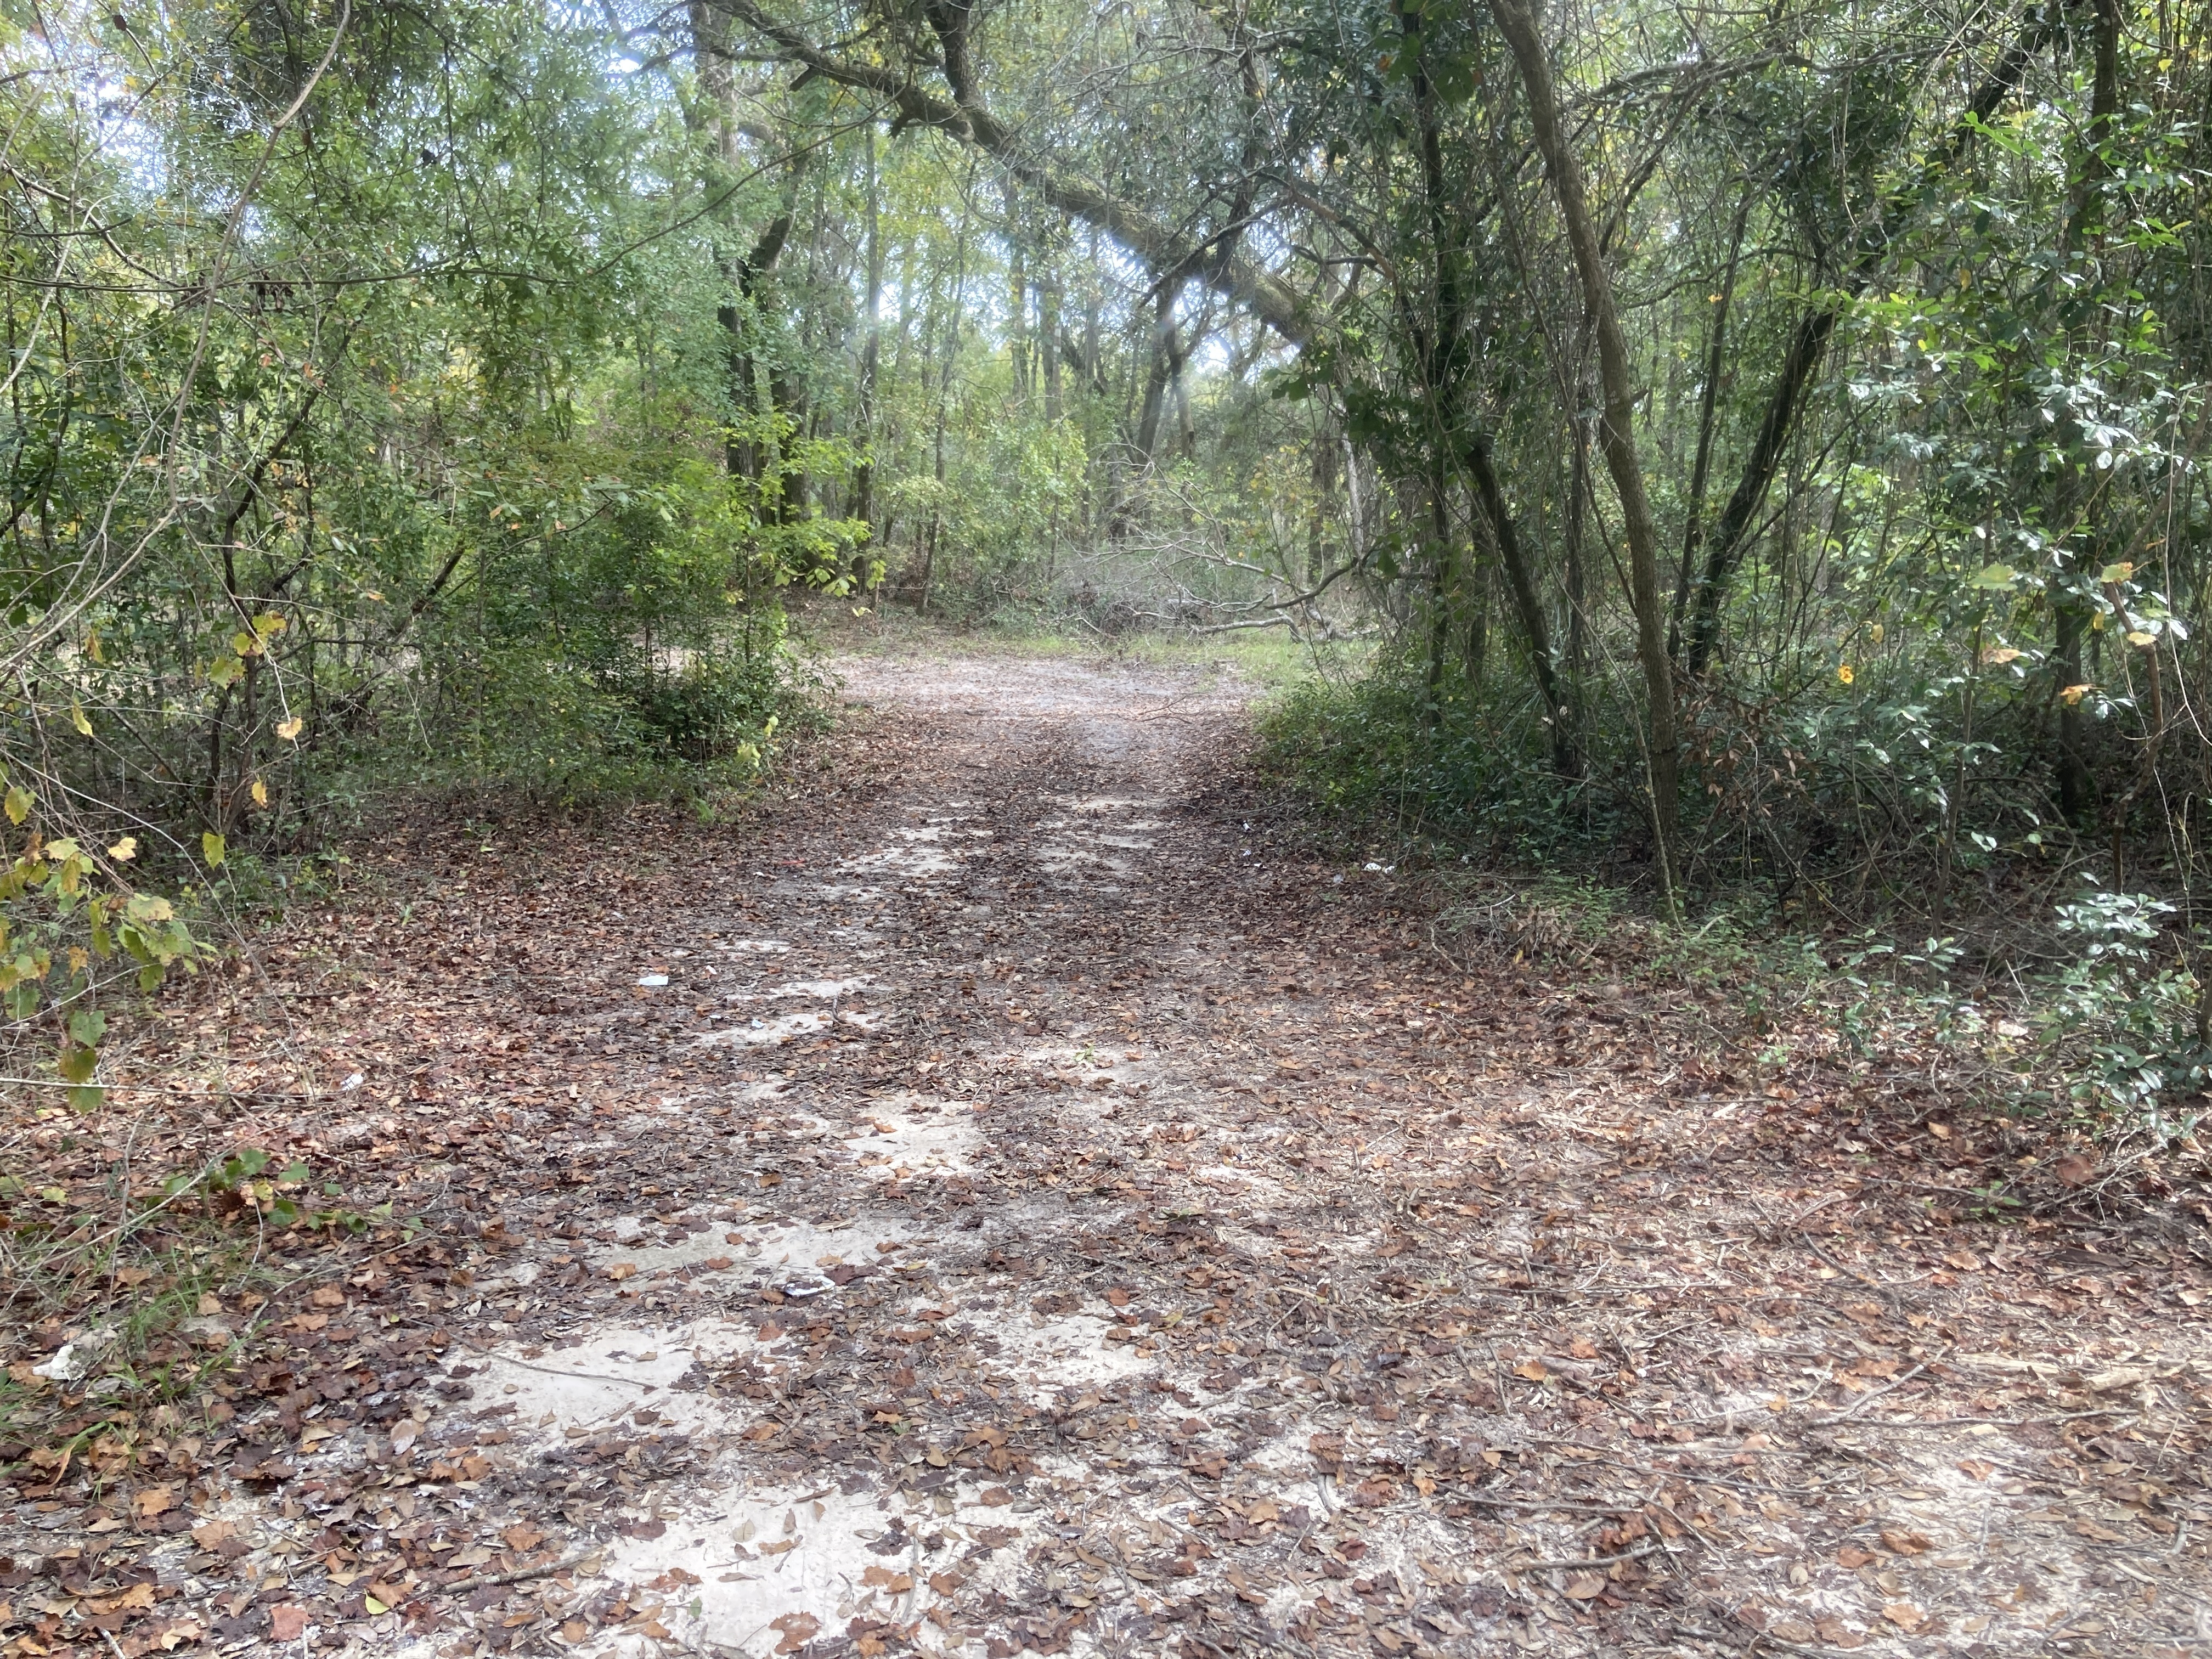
1012 1198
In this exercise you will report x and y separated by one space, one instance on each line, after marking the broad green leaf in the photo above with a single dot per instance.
212 849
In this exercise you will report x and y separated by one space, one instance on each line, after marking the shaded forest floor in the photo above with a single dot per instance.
1009 1194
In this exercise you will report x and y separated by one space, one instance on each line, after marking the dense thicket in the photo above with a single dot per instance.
1758 448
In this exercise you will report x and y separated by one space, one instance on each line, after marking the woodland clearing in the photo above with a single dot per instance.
1011 1193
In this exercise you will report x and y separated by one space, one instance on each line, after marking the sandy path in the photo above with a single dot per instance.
1009 1201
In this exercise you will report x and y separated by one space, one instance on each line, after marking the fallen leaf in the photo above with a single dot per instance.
622 1270
288 1621
799 1628
1906 1543
1906 1617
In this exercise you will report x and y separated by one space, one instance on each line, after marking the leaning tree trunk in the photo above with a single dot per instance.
1616 430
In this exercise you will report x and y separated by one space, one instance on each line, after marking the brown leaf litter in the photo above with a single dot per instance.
1009 1196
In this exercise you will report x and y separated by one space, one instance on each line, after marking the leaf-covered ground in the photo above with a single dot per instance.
1009 1194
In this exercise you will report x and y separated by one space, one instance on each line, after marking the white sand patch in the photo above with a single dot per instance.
925 860
797 1253
789 1251
1109 802
1058 860
616 1372
1067 1351
754 1032
759 1033
756 946
695 1251
823 989
777 1562
914 1140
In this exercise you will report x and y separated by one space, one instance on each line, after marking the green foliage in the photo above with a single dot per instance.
1464 768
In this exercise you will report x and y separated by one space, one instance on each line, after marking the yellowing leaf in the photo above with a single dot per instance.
2116 572
19 804
2001 655
260 793
291 729
1874 632
124 850
2137 638
212 849
1844 673
79 720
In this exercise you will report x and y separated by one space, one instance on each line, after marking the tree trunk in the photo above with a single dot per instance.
2077 786
1617 435
864 416
1707 405
1163 375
